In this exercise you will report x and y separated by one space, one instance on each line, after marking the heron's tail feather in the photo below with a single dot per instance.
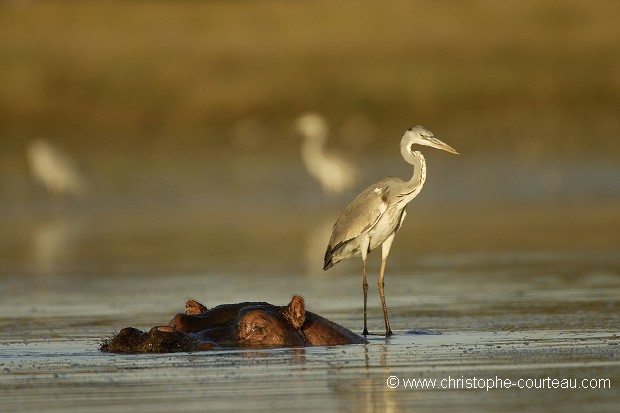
328 262
332 256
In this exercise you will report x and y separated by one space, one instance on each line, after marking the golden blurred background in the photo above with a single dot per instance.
150 76
188 108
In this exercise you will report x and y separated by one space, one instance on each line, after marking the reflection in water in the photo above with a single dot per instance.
364 389
54 241
386 400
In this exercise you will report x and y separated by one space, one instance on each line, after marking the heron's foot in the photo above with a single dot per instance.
365 332
388 333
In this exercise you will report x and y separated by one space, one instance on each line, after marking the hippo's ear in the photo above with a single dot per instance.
194 307
295 312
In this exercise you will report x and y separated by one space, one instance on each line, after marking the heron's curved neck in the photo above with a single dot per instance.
419 169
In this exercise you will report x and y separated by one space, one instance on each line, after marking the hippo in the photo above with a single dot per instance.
242 325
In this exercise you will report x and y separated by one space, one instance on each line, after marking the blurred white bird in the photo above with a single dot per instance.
54 170
332 171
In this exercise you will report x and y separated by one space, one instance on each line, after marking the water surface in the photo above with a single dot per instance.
494 290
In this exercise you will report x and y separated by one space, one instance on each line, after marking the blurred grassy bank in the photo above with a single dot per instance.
176 77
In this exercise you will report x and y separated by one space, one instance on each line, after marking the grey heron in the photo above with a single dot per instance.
333 172
376 214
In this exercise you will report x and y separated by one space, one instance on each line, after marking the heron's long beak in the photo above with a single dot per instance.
436 143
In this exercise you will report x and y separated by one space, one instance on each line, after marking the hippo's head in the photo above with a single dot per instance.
274 326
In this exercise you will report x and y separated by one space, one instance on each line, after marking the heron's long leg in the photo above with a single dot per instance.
365 287
385 250
364 250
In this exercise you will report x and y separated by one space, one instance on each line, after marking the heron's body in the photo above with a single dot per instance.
384 203
377 213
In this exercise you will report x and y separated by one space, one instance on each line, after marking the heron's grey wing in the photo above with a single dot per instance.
360 215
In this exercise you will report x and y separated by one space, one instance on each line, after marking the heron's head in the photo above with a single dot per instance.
422 136
312 126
